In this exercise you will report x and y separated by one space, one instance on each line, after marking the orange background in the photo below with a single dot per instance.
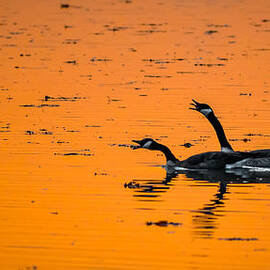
137 66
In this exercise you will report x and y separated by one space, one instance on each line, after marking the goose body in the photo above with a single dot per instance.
207 160
263 162
257 158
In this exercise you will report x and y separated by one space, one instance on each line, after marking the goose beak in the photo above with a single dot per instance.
195 104
136 146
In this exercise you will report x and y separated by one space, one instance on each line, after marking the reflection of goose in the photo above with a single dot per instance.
259 158
152 189
207 160
206 218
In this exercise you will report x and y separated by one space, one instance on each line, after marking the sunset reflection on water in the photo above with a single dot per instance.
79 81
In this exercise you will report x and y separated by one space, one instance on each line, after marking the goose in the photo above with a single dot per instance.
259 158
208 112
207 160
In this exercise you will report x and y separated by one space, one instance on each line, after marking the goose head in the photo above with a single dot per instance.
203 108
147 143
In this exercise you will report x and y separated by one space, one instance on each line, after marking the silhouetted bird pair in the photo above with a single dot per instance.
226 158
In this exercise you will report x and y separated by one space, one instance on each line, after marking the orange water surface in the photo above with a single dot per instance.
79 81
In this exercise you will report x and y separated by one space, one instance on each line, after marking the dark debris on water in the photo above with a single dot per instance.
5 128
258 134
73 154
163 223
100 174
50 98
29 132
209 65
187 145
65 6
95 59
218 25
3 89
93 126
71 41
115 28
83 152
42 131
39 106
245 94
243 140
163 61
157 76
210 32
238 239
74 62
122 145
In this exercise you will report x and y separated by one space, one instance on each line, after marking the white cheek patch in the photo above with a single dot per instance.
226 150
147 144
205 111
